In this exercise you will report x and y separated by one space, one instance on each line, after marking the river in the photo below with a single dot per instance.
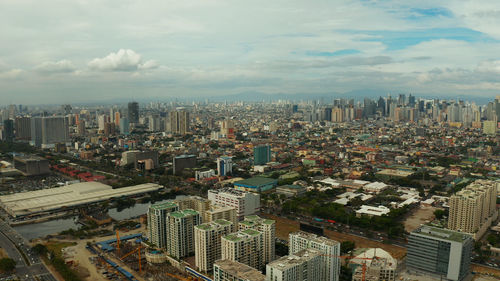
42 229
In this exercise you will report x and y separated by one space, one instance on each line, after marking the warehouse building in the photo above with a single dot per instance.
60 198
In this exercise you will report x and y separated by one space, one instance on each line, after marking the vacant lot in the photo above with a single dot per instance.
485 270
284 226
420 216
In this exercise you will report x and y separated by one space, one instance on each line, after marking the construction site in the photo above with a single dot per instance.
130 258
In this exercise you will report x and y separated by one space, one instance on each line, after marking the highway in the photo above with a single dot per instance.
28 264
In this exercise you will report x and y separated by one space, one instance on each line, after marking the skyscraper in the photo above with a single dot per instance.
23 128
180 232
133 112
261 154
124 126
440 252
179 122
207 242
8 130
244 246
304 265
473 208
330 249
268 229
47 131
224 165
157 222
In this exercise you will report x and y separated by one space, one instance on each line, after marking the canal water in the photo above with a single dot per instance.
42 229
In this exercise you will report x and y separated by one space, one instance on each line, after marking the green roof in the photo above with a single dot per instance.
256 181
268 222
233 237
184 213
205 226
222 222
247 223
164 205
252 217
442 233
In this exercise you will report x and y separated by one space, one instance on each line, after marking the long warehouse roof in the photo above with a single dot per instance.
25 203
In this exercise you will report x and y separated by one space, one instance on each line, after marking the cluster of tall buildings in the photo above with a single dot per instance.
310 258
473 209
409 109
230 247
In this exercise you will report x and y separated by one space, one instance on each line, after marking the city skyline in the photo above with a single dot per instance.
80 51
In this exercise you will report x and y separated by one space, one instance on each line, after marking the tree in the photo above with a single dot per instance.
346 247
439 213
7 264
40 249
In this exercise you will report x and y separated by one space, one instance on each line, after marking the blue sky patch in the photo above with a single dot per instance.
397 40
418 13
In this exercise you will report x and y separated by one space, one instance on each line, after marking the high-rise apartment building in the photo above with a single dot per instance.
124 126
180 232
224 165
228 270
133 112
245 246
179 122
245 203
157 222
199 204
23 128
47 131
216 212
207 242
261 154
440 252
268 229
305 265
473 208
330 249
8 130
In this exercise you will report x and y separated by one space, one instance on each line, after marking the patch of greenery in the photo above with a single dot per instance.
7 264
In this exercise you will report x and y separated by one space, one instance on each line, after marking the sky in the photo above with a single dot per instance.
60 51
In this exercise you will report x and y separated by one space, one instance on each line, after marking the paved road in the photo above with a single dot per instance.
29 266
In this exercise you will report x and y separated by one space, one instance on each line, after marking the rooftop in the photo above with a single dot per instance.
239 270
164 205
256 181
442 233
293 260
183 213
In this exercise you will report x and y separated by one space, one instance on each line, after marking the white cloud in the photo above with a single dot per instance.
11 74
49 67
124 60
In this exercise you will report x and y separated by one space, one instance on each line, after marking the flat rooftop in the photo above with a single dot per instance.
240 270
442 233
164 205
256 181
51 199
295 259
183 213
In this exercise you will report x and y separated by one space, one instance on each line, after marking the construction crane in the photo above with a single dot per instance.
350 258
138 250
118 242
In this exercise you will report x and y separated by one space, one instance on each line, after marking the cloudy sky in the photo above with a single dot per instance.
58 51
